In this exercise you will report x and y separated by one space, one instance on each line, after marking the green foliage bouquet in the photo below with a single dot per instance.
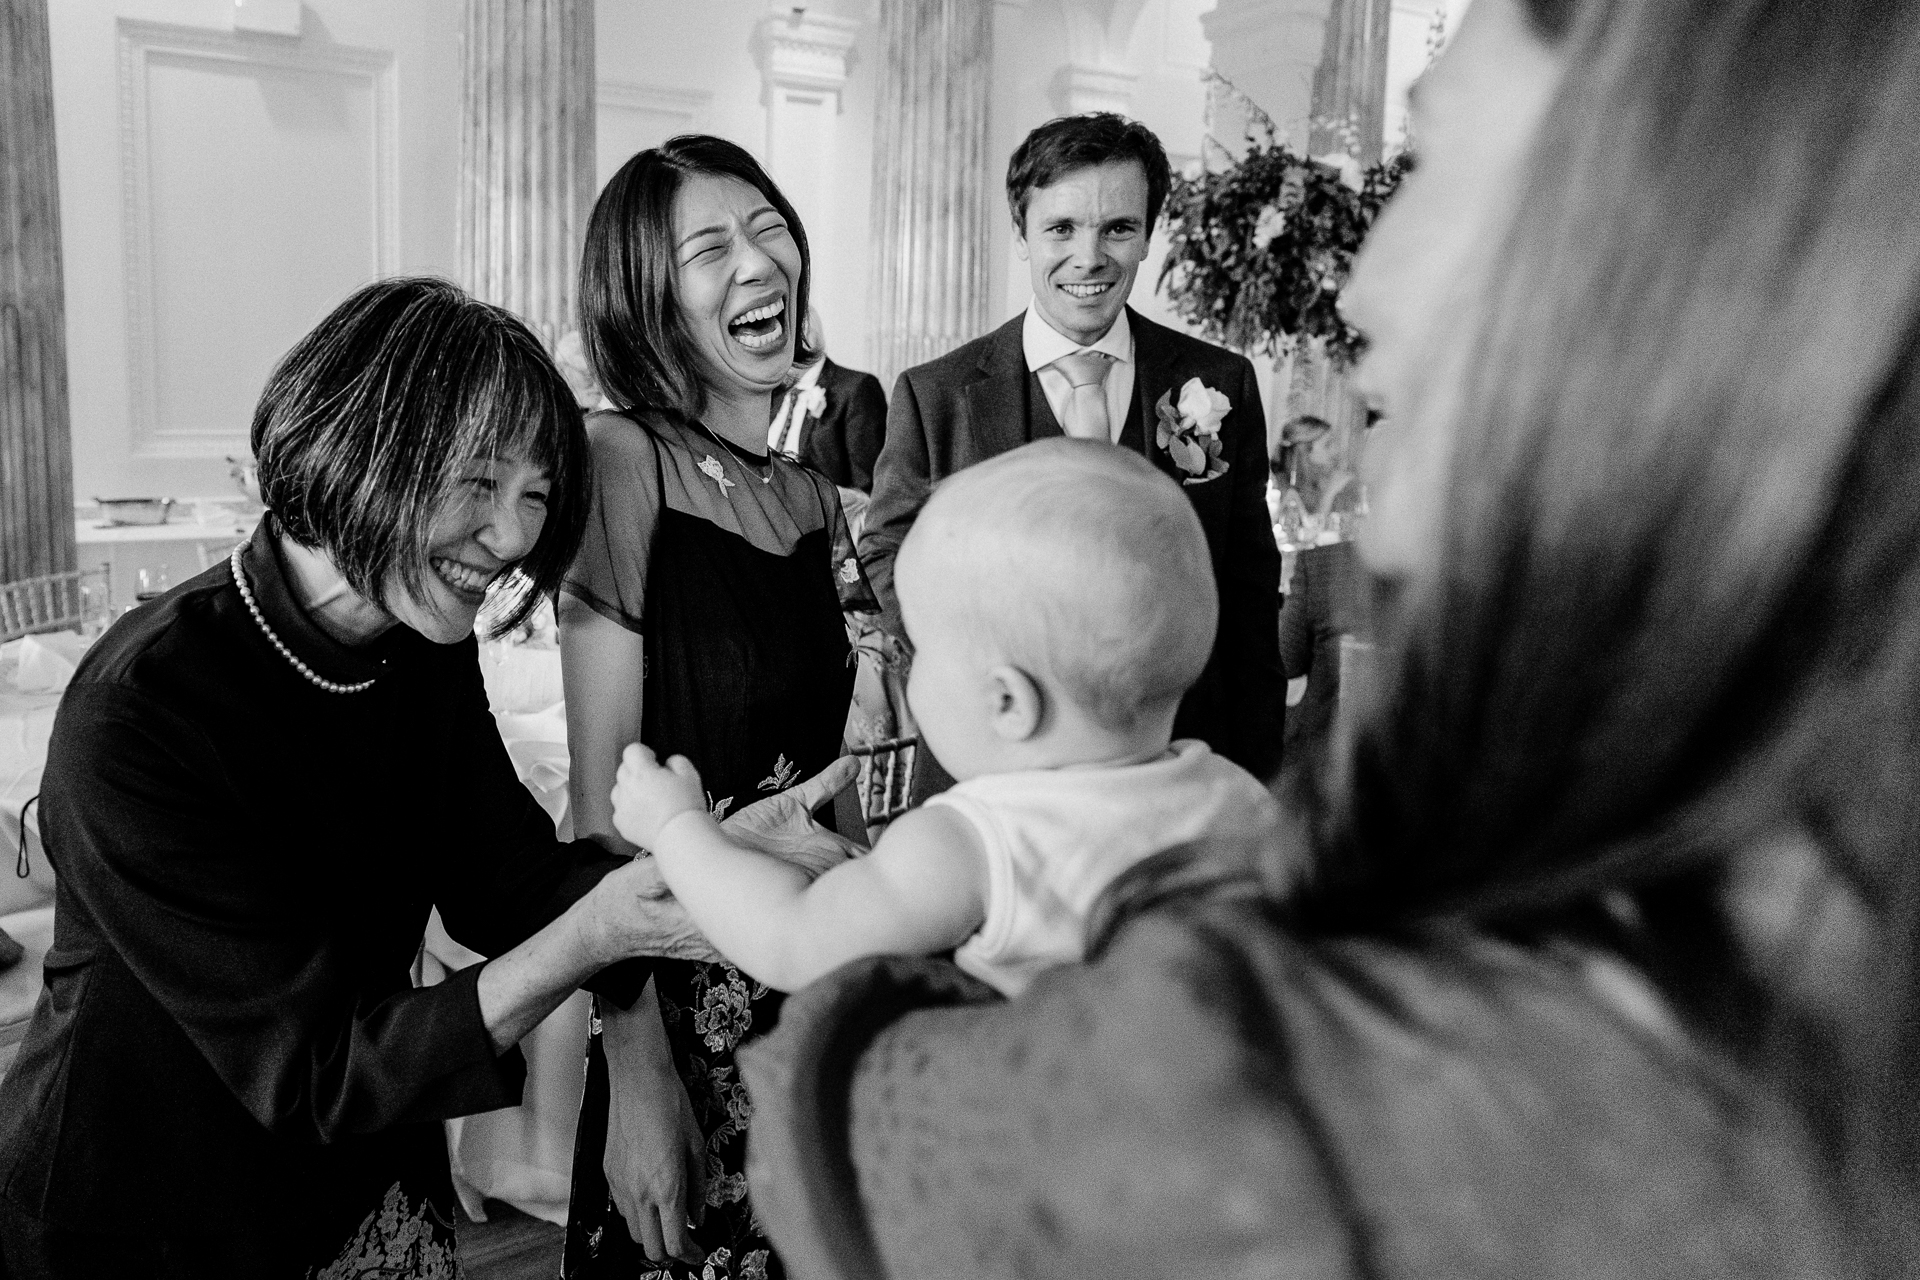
1259 251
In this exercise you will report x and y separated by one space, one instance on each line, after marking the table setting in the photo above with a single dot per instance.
33 672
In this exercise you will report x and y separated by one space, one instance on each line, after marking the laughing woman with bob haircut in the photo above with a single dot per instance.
258 787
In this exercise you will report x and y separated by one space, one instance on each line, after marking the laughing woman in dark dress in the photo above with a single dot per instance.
703 617
258 787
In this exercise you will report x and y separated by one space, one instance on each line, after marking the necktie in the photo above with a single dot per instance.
1087 405
781 429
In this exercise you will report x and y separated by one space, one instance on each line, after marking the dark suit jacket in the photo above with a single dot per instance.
980 400
843 442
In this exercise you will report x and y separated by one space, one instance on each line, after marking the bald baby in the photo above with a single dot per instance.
1060 601
1076 562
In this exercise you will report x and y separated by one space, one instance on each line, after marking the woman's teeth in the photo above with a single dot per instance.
460 577
762 327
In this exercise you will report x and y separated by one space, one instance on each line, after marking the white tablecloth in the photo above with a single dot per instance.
26 723
524 1155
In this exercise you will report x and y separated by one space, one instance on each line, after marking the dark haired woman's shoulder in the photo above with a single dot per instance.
179 654
1216 1091
635 434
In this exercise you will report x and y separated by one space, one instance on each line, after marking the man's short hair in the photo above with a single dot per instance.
1062 145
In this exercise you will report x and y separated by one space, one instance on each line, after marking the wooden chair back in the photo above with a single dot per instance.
885 784
53 602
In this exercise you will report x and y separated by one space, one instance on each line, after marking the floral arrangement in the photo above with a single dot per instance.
1189 432
1258 251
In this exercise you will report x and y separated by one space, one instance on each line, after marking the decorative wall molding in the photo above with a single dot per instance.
806 52
624 95
139 43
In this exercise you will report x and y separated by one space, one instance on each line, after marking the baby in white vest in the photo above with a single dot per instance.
1060 600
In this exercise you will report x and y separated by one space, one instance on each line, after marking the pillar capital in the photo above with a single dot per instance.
806 51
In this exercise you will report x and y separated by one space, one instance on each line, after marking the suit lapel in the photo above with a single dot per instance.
1155 377
994 405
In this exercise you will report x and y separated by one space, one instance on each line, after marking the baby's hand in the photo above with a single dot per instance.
648 795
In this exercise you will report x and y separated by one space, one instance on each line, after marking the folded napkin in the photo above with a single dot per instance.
47 661
537 744
521 678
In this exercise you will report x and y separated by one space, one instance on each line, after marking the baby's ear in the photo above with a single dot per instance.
1019 705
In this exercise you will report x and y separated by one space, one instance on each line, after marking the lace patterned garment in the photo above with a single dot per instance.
735 569
398 1239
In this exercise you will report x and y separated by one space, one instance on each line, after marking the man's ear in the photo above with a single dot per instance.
1020 239
1019 707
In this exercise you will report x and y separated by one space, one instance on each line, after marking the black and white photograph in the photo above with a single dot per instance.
959 639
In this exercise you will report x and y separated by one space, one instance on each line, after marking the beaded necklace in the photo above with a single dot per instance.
313 677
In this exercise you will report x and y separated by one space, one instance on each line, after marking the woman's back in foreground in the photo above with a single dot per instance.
1606 962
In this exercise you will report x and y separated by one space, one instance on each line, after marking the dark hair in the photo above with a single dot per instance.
366 425
630 322
1300 429
1062 145
1671 639
1551 19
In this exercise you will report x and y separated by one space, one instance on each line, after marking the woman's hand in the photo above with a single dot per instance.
655 1158
647 794
627 916
783 825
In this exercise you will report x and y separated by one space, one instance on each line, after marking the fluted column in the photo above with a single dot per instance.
526 155
1350 87
36 447
933 189
1349 107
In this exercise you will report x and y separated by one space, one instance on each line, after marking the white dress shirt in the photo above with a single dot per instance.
1044 344
783 436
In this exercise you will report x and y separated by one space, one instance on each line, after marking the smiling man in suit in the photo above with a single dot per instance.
1085 192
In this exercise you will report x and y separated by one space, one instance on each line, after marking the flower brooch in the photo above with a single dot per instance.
711 467
1190 430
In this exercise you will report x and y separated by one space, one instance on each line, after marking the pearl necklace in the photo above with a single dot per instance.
313 677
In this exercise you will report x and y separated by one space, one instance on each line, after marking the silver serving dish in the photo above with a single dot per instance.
134 510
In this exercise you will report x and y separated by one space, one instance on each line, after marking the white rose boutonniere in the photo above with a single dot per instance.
811 401
1190 431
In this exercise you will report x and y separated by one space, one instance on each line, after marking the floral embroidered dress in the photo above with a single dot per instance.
734 568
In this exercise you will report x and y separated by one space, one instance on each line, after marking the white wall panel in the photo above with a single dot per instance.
260 185
629 118
288 158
